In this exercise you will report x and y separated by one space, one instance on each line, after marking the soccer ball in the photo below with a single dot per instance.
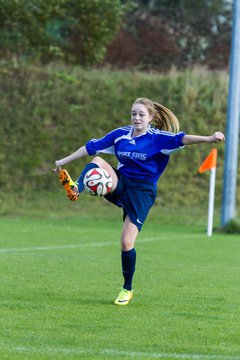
97 181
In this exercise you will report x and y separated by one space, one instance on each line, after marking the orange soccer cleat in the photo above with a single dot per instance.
69 185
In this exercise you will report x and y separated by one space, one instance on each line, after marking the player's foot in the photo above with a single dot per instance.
69 185
124 297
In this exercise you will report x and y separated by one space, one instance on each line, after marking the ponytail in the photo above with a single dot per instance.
165 119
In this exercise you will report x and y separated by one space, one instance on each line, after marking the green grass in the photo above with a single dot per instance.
61 273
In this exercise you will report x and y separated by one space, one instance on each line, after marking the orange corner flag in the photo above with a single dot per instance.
210 161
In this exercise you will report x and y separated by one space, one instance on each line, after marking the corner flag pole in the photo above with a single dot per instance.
210 163
211 201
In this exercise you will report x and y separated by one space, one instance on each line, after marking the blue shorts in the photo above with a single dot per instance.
136 197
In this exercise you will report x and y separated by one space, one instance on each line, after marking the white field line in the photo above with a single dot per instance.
116 353
61 247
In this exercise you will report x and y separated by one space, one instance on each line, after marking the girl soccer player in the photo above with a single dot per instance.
143 152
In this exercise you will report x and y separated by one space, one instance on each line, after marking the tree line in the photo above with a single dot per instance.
144 34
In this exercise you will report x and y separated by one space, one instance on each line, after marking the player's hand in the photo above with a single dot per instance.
57 168
218 137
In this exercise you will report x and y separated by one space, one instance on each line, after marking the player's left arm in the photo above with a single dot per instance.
197 139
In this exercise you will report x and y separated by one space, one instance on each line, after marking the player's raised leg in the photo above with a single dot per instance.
99 162
74 188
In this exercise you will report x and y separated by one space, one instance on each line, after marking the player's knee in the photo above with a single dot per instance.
98 160
127 245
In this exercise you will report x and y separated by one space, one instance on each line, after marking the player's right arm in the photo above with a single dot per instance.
91 148
82 151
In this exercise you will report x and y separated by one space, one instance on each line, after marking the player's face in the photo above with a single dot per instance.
140 118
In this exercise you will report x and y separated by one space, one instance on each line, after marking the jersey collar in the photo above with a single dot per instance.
134 137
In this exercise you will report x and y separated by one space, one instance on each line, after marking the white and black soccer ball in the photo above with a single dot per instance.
97 181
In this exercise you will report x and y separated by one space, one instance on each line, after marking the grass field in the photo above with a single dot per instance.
60 275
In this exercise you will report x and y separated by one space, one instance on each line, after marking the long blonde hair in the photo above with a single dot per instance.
162 117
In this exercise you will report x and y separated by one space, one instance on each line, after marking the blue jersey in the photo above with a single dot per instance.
141 157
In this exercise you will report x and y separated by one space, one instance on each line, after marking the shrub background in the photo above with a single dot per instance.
48 112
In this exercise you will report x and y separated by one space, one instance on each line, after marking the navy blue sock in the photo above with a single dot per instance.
81 177
128 267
